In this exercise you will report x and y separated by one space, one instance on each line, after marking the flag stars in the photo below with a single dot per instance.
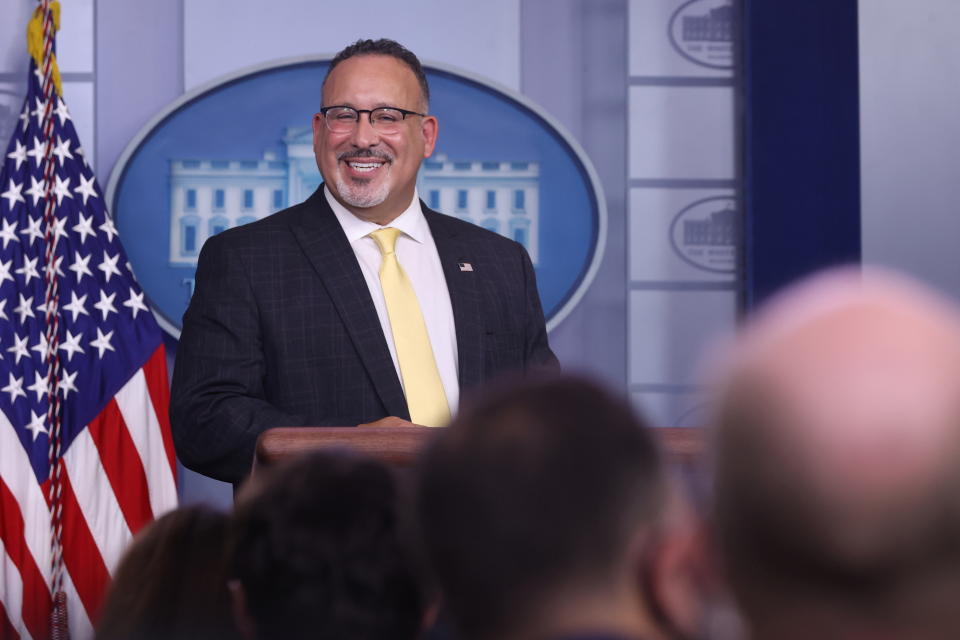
67 383
62 112
109 265
39 150
77 305
13 194
61 188
62 150
135 302
36 426
25 308
19 154
108 228
36 190
19 348
29 269
85 226
87 189
60 227
55 267
3 306
102 343
39 386
5 272
80 266
42 346
105 305
9 231
33 230
40 110
72 344
14 388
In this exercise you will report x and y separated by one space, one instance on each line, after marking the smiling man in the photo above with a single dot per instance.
359 305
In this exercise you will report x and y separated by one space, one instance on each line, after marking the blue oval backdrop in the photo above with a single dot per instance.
240 148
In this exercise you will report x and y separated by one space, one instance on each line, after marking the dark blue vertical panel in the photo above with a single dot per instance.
801 140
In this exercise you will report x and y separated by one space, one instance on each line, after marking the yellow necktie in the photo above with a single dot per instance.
426 398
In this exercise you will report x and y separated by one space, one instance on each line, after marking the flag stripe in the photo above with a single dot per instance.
7 629
81 555
155 372
120 460
17 475
80 626
94 495
12 585
21 576
135 403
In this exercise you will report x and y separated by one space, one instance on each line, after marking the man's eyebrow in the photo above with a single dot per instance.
377 105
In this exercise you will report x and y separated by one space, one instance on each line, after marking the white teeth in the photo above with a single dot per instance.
364 166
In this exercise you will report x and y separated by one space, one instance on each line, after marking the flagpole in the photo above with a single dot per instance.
49 13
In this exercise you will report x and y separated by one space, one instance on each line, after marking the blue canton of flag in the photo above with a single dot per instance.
118 460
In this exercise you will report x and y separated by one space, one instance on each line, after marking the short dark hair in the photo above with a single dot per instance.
317 545
539 484
172 581
384 47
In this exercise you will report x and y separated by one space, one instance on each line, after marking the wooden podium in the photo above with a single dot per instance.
399 446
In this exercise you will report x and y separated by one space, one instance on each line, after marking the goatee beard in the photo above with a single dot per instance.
362 195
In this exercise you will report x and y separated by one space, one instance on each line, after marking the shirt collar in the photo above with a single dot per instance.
411 222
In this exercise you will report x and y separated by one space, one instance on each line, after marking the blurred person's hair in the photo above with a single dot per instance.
172 581
781 540
319 548
837 458
538 485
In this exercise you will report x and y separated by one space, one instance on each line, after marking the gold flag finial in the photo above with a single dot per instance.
35 45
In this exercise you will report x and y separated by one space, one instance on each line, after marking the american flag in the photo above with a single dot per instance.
82 365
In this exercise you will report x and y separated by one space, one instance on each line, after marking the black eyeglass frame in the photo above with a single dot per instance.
369 112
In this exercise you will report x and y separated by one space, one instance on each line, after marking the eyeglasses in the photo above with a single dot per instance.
383 119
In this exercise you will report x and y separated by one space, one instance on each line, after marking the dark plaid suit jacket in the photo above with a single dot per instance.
282 331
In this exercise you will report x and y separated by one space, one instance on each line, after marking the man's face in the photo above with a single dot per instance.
371 173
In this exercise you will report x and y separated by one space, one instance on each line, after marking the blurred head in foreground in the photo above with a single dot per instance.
542 508
172 581
317 551
838 462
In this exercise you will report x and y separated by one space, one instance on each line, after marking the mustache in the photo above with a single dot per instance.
366 153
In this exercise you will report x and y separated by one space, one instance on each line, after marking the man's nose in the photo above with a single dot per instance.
364 135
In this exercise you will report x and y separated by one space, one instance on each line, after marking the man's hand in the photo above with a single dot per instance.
389 421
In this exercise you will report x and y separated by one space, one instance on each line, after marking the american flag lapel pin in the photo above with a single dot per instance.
465 266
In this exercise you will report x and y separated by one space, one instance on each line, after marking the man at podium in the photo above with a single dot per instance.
360 305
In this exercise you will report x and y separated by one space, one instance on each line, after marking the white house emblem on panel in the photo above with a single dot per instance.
704 234
702 32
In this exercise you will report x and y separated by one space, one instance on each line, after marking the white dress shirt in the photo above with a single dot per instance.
417 254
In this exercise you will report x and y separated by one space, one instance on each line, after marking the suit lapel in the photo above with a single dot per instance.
455 251
326 247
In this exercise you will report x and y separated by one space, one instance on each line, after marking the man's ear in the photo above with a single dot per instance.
238 607
678 578
430 129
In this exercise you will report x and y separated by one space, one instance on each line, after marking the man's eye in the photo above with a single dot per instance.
344 116
388 118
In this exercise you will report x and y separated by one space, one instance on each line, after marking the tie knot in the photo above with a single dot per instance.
386 239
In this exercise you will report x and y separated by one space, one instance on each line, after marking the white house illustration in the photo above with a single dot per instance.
209 196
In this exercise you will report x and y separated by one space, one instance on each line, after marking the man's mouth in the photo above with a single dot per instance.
364 166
